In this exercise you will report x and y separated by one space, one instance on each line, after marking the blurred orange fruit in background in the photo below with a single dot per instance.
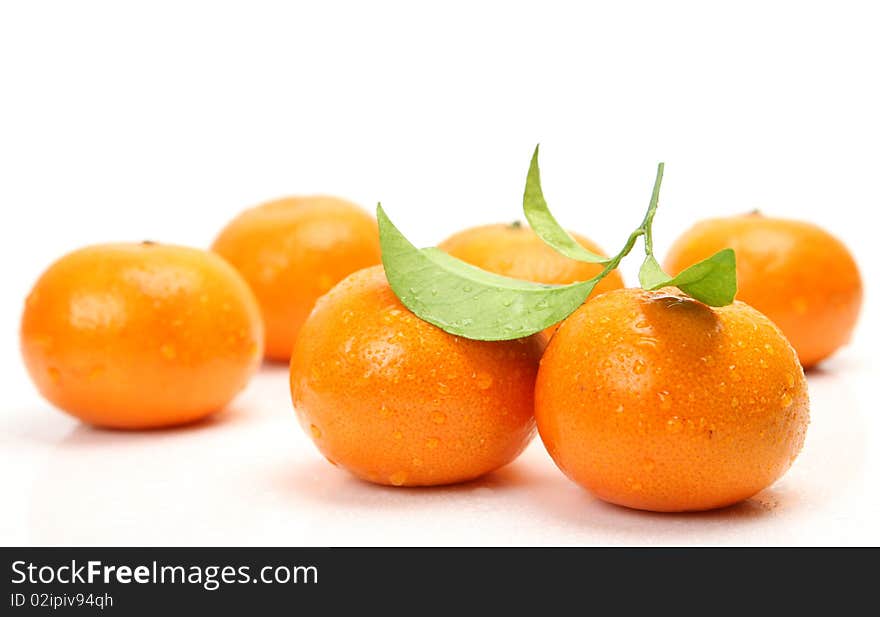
141 335
794 272
293 250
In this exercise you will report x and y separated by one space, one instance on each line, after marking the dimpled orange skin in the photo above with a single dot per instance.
292 251
516 251
137 336
655 401
397 401
796 273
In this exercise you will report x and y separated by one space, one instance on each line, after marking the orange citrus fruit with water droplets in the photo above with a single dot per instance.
398 401
796 273
652 400
516 251
293 250
141 335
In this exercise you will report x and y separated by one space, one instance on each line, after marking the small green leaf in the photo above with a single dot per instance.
651 275
711 281
464 300
545 225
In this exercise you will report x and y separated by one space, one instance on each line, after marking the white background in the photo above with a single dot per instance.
161 122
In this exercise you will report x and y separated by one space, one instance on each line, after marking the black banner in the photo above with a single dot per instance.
134 581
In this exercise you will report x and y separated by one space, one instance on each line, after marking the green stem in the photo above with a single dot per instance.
648 223
615 261
642 230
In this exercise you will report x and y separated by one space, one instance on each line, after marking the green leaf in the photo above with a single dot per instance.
464 300
545 225
651 275
711 281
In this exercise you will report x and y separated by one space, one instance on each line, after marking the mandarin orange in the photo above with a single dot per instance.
796 273
395 400
141 335
655 401
293 250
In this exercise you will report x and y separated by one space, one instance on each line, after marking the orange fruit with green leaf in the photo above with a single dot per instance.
671 397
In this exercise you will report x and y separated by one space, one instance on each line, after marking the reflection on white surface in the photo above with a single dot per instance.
249 476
